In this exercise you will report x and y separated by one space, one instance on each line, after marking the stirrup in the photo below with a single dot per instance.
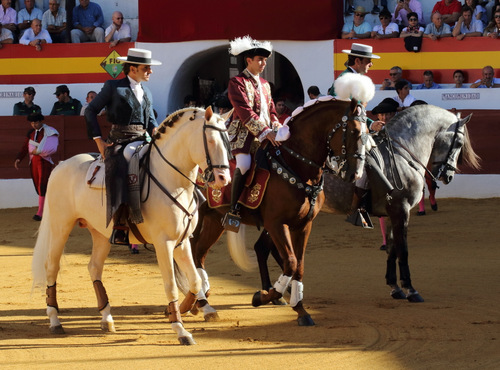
119 236
360 218
232 222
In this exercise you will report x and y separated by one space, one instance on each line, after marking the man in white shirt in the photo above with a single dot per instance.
54 21
35 36
118 31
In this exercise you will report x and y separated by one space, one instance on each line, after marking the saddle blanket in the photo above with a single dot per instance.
251 197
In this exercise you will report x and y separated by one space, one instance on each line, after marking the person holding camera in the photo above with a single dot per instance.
27 15
405 7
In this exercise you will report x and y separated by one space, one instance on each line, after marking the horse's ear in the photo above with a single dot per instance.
208 113
465 120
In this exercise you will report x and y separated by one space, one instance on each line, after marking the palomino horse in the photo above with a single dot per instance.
417 136
329 127
186 139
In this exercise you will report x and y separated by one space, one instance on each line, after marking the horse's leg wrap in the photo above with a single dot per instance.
188 303
100 292
52 296
174 314
297 293
205 284
282 283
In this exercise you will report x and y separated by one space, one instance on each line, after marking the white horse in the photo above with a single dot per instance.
187 139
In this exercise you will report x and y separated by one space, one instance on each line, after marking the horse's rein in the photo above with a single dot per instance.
390 140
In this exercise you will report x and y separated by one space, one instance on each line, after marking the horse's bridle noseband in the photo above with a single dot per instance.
445 165
208 174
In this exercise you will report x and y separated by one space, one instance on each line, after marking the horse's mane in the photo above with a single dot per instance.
174 117
411 118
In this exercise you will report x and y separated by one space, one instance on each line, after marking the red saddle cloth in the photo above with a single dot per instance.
252 194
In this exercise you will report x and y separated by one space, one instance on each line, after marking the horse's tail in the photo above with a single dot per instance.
238 250
41 250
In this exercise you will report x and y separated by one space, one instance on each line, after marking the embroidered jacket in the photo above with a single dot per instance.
248 122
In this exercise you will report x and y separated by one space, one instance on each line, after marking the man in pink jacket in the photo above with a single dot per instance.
40 143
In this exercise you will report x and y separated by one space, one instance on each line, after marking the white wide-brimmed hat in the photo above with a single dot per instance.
246 44
361 50
139 56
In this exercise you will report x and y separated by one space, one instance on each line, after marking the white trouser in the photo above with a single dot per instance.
243 162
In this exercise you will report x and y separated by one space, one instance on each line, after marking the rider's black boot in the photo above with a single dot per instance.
232 219
358 215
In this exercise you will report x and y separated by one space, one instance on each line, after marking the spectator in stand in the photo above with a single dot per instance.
386 29
313 92
404 98
437 28
458 77
65 104
375 10
395 75
478 12
40 143
493 29
449 9
27 15
36 36
90 96
358 28
404 8
413 29
428 82
488 80
467 26
6 36
282 110
87 23
54 21
118 31
8 17
26 107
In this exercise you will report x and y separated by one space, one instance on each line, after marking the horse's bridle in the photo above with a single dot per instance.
208 174
445 165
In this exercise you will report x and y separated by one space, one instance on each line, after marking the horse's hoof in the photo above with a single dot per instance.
257 299
108 327
186 341
57 330
279 302
305 321
211 317
414 298
398 294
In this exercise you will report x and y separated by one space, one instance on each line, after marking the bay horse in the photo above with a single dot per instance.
188 138
324 128
418 136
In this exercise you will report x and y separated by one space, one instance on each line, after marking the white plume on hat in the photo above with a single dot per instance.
245 43
354 85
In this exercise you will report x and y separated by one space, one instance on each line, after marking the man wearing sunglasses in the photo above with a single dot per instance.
26 107
65 104
395 75
118 31
358 28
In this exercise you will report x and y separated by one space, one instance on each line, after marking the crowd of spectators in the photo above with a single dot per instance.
36 27
449 18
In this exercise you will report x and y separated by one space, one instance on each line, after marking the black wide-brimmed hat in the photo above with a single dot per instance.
388 105
139 56
250 47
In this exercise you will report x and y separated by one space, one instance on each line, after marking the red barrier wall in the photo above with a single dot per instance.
72 140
